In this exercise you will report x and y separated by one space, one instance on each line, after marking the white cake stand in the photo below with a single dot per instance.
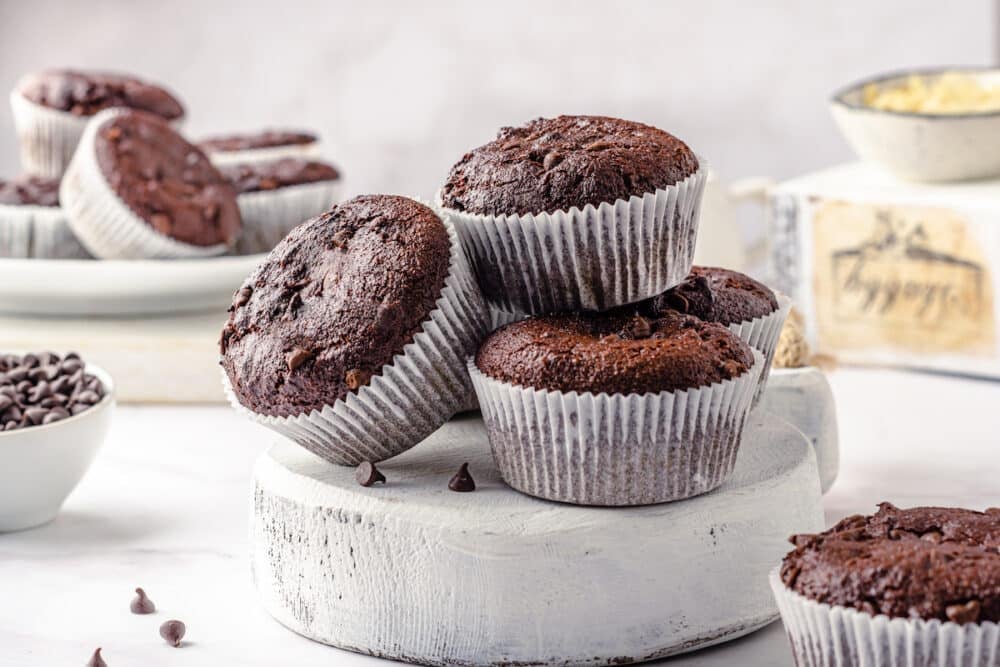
412 571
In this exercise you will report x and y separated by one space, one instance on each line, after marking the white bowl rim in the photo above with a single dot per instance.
837 98
109 396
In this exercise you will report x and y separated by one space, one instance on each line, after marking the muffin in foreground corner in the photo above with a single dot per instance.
136 189
615 408
364 315
277 195
32 225
903 587
51 109
576 213
748 307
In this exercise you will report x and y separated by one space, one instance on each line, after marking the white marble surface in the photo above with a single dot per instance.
166 505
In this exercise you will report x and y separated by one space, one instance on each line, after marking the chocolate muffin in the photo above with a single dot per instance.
31 223
614 408
333 303
137 189
260 176
85 93
576 213
614 353
263 139
30 191
266 145
920 563
717 295
553 164
274 196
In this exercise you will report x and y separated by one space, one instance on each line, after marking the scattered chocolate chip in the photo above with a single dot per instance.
297 357
932 536
141 604
173 632
963 613
96 660
462 481
367 474
551 160
599 145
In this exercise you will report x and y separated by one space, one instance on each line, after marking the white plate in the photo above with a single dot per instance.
120 287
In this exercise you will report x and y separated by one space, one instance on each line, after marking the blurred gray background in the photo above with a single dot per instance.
399 90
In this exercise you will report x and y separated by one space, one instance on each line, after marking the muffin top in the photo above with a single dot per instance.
86 93
166 181
274 174
250 140
617 352
925 562
553 164
30 191
717 295
333 303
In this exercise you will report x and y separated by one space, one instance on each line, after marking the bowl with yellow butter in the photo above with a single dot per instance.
925 125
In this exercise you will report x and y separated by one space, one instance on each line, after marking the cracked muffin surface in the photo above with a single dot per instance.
617 352
554 164
333 303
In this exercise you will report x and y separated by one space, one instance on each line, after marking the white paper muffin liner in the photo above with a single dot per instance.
267 154
102 222
762 333
48 137
825 635
37 232
601 449
593 258
269 215
417 392
501 318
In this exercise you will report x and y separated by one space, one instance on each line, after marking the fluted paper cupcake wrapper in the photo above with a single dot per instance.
416 393
37 232
592 258
102 222
762 333
309 151
825 635
269 215
501 318
48 137
601 449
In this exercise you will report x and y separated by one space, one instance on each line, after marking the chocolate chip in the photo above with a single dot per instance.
35 415
88 396
367 474
551 160
55 415
18 374
355 378
599 145
5 402
161 222
173 632
297 357
243 296
70 366
141 604
462 481
963 613
96 660
932 536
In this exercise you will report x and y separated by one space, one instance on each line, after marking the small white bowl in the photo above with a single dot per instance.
922 146
40 465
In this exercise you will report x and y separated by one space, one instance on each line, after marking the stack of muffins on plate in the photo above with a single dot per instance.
623 377
108 175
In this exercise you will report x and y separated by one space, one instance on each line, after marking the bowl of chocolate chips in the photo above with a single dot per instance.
54 413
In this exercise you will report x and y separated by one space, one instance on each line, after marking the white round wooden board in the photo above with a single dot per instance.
412 571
